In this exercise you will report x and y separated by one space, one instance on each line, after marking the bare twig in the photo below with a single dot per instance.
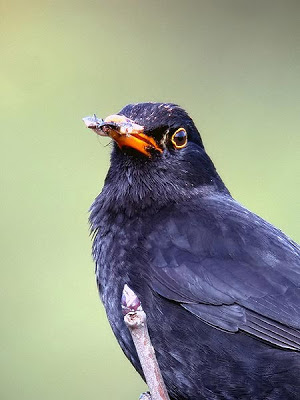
135 319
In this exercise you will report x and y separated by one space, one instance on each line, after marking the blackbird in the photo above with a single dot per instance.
219 285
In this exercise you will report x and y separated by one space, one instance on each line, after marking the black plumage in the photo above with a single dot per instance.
219 285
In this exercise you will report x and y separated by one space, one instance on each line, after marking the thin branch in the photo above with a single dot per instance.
135 319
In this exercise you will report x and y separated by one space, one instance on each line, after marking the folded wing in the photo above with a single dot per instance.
229 268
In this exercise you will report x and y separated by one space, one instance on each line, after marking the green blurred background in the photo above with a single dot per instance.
234 65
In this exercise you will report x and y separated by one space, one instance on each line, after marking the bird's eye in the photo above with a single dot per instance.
179 138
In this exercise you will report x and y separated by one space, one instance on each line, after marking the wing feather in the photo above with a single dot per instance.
229 268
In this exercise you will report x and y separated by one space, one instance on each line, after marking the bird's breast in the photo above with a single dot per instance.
121 259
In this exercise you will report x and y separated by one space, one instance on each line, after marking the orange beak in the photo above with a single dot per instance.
125 132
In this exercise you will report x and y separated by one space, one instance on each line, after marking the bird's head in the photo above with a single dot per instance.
157 150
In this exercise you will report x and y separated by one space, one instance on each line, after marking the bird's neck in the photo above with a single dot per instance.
131 190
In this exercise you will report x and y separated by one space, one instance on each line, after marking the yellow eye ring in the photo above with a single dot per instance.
179 138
